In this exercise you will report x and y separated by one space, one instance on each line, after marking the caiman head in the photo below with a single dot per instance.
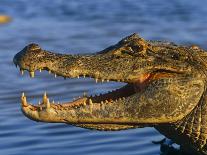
164 82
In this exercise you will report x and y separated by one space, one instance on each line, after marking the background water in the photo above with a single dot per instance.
81 26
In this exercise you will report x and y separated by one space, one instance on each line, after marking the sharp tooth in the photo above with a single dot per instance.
102 105
84 103
22 71
22 94
49 71
32 74
107 80
53 101
84 75
96 80
48 103
78 76
90 101
44 98
55 75
102 80
84 94
40 70
40 105
106 101
24 101
91 105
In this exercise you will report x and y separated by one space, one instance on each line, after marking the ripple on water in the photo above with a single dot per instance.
73 26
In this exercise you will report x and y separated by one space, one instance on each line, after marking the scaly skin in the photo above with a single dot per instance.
165 88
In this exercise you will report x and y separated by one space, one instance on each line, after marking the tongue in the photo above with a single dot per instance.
77 102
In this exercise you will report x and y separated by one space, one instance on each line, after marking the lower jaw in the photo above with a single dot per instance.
106 127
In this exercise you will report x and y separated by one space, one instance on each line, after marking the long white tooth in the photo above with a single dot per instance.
84 75
40 105
102 105
96 80
45 98
40 70
22 71
24 101
91 105
84 103
22 94
32 74
48 103
45 94
78 76
90 101
49 71
102 80
84 94
107 80
53 101
55 75
106 101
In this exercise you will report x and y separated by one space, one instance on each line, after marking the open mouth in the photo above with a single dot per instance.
112 96
97 102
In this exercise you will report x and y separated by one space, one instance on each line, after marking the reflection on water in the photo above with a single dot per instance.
80 26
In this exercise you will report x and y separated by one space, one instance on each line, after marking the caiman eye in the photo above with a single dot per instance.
175 56
126 52
137 48
132 50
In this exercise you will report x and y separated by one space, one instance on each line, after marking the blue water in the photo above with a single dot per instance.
81 26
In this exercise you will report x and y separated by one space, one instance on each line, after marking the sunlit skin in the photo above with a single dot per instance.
165 88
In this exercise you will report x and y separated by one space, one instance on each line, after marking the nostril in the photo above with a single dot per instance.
33 47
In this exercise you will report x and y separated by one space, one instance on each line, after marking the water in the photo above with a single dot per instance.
81 26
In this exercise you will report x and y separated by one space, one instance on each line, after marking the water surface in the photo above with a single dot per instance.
81 26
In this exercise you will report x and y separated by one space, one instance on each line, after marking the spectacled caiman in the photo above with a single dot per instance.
165 89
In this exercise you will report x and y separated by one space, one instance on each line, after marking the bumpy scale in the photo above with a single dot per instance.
165 88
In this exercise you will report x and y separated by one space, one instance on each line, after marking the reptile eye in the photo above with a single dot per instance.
175 56
125 52
137 48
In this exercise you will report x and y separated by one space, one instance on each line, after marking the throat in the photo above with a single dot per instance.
106 127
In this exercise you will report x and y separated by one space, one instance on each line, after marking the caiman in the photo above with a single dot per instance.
165 89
